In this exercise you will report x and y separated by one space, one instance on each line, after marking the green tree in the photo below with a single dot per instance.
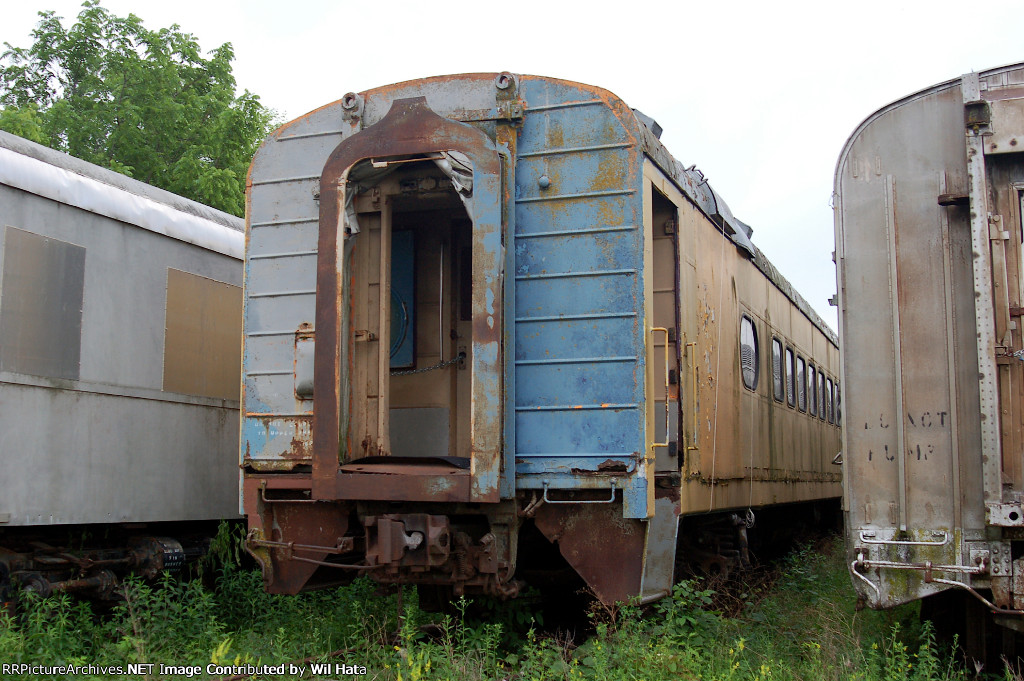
144 103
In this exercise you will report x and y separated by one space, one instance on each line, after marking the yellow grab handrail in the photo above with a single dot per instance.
693 364
665 331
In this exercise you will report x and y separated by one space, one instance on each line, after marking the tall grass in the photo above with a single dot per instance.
804 627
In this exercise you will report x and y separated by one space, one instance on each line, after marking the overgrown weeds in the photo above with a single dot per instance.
803 627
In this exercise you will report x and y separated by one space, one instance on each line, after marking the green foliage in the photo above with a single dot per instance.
225 548
144 103
805 629
685 619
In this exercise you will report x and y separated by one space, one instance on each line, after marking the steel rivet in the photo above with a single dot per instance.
544 181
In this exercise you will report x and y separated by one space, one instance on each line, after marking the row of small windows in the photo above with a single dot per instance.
794 380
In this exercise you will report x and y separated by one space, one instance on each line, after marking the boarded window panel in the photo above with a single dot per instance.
202 337
41 308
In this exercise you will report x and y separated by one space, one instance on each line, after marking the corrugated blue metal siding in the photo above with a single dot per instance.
579 342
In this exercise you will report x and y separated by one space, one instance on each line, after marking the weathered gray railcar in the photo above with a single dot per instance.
928 194
120 313
490 320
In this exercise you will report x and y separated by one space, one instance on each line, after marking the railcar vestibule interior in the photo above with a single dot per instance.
410 263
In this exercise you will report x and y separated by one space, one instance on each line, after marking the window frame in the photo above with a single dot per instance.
801 383
778 390
821 394
838 401
828 400
756 355
812 390
790 365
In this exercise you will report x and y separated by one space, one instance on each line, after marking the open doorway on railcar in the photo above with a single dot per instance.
665 309
410 266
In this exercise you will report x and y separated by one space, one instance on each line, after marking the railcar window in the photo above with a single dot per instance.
812 392
801 384
839 406
790 378
828 400
821 395
777 377
749 359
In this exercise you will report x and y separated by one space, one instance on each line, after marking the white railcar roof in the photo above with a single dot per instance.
54 175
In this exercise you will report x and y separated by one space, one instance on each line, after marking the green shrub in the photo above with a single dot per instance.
805 628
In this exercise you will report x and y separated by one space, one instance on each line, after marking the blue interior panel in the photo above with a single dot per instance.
403 299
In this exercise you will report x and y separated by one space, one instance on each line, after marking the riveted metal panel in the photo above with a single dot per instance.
928 251
580 349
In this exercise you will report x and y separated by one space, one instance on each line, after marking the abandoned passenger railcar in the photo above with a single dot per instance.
928 238
120 311
490 320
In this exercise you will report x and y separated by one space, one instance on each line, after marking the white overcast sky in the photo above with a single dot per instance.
761 96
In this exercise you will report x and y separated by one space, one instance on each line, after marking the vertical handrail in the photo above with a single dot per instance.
665 331
693 398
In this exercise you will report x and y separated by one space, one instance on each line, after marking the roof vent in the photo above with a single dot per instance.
651 124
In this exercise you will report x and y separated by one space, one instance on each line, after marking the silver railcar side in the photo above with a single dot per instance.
120 318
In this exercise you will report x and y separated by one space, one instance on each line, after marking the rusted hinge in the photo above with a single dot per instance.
511 110
1005 356
995 228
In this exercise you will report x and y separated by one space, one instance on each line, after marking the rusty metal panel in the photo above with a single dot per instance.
201 348
587 535
893 278
580 346
280 299
660 550
41 305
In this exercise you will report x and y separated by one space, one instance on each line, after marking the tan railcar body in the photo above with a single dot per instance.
744 449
